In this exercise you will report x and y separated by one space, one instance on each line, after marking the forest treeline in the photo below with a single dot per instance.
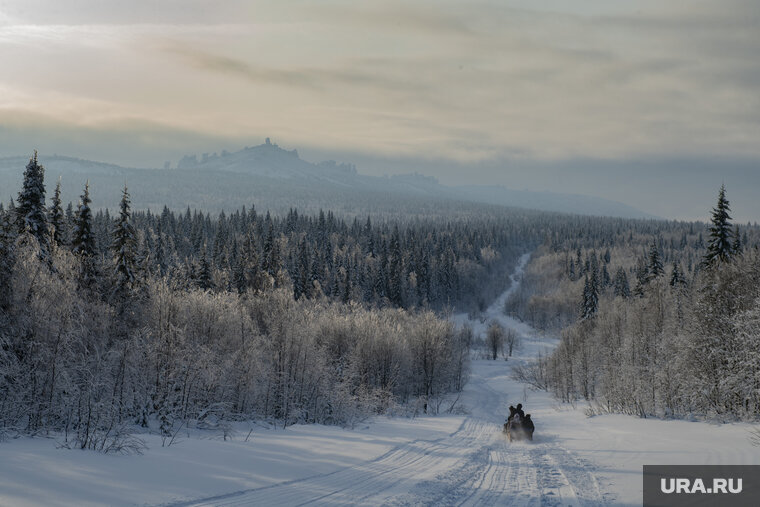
156 320
660 324
108 323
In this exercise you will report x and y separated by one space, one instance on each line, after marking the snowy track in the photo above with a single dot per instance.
474 466
445 460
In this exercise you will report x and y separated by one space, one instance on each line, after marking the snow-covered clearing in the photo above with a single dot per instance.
446 460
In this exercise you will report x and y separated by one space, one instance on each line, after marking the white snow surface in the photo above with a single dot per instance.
444 460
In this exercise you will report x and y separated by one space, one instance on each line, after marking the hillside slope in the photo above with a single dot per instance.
278 179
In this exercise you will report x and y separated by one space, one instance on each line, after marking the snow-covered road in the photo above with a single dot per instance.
473 466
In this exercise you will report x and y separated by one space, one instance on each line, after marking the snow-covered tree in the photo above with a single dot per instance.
83 239
30 208
654 267
495 337
620 284
719 246
124 246
676 276
57 218
204 272
736 246
590 299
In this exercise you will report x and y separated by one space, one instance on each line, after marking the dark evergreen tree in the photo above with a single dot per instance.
204 273
30 209
239 279
590 299
124 246
654 267
620 283
83 239
677 278
606 280
57 218
720 247
736 247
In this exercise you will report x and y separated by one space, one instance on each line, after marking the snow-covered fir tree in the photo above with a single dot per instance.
654 267
677 278
83 239
720 246
620 284
204 273
590 299
736 246
57 217
30 208
124 246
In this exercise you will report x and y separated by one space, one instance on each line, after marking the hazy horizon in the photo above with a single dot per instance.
653 105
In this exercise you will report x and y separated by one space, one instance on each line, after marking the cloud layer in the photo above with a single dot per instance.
464 82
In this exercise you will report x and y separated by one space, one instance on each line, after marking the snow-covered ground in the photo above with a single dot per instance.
446 460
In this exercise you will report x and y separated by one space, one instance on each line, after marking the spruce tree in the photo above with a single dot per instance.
606 280
590 299
83 239
620 283
30 209
57 218
204 275
676 277
124 246
736 247
654 267
719 246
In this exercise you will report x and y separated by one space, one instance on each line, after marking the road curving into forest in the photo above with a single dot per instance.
473 466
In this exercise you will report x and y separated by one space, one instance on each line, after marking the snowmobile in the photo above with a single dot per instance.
518 428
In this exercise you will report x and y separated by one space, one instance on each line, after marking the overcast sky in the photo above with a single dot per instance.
622 99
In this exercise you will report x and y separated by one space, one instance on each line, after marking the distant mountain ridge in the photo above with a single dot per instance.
277 179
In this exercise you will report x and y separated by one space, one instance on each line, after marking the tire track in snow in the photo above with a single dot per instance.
473 467
364 483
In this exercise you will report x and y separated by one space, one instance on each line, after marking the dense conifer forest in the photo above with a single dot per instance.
154 320
109 323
